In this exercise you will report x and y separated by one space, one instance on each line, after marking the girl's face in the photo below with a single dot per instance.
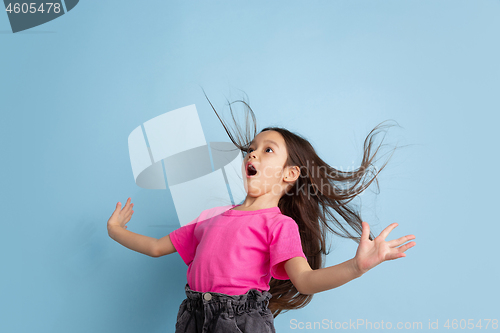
267 154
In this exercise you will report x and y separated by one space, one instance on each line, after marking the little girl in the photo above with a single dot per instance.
249 262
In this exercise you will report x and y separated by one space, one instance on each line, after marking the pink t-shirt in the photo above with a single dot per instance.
232 251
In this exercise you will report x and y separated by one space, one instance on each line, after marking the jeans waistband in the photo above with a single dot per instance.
253 298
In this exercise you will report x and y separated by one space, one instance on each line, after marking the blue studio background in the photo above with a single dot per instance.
73 89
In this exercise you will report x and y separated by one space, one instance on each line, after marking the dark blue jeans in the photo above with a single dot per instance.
220 313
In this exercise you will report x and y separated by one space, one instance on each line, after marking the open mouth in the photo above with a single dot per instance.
251 171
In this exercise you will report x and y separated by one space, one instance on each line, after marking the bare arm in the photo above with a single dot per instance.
117 229
309 281
164 246
369 254
140 243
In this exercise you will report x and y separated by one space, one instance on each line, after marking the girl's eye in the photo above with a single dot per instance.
250 149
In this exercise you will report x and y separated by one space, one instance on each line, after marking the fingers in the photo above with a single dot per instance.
387 230
399 252
405 247
127 204
395 256
401 240
127 207
365 234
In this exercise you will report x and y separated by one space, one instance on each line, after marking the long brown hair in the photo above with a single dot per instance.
332 191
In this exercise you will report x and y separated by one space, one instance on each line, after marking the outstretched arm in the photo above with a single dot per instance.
137 242
309 281
368 255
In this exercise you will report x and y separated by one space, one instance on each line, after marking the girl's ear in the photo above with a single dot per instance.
292 173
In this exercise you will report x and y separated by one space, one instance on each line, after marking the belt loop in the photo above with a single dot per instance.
229 305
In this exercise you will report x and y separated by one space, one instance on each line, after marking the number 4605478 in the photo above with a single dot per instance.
31 7
464 324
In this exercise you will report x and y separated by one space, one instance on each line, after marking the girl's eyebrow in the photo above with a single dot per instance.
271 141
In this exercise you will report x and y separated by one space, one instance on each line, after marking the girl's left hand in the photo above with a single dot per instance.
370 253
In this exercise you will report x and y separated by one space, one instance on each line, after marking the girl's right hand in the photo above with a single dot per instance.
121 217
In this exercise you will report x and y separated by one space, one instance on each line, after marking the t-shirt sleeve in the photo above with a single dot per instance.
284 244
184 242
